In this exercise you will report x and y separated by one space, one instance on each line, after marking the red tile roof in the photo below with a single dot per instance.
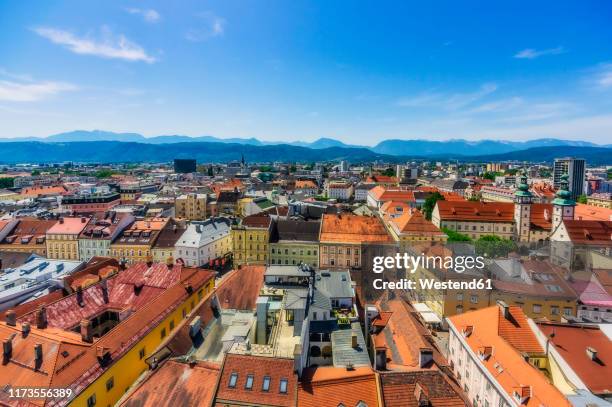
276 369
572 342
592 232
401 389
476 211
589 212
176 384
239 289
348 228
508 340
69 226
259 220
330 386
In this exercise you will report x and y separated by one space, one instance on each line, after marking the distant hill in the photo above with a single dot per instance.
411 148
592 155
466 147
118 151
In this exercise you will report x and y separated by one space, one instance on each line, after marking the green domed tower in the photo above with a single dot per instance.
522 210
563 204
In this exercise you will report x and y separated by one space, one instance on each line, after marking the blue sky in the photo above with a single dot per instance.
357 71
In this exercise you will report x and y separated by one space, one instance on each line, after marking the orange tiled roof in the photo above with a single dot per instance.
331 386
239 289
72 226
413 222
259 367
476 211
259 220
589 212
383 193
400 389
176 384
306 184
589 232
506 363
38 191
348 228
572 342
541 215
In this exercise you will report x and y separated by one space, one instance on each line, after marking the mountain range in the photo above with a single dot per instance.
204 152
395 147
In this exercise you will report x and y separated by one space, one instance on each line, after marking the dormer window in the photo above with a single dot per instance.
249 382
266 384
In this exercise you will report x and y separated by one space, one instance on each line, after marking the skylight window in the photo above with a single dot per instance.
283 386
266 383
249 382
233 379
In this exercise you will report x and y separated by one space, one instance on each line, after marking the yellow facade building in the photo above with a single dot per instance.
191 206
136 243
250 239
62 239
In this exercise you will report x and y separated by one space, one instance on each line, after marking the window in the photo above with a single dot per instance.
283 386
249 382
171 325
266 383
474 299
567 311
163 333
141 353
459 296
233 379
91 400
110 383
537 308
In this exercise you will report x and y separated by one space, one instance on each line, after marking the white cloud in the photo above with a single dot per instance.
502 105
149 15
20 91
110 46
530 53
210 26
604 76
446 101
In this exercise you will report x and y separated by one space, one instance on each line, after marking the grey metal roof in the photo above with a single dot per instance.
343 352
336 284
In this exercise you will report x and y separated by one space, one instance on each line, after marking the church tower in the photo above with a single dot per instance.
563 204
522 210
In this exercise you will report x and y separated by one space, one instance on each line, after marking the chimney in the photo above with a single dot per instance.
170 262
591 353
79 295
425 357
11 317
86 331
138 286
61 221
83 219
505 309
25 329
104 286
38 355
41 317
149 261
7 350
354 340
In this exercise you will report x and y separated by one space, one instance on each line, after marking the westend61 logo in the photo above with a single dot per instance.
412 265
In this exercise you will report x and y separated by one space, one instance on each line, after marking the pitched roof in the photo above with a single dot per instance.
332 386
541 216
348 228
295 230
413 222
259 220
176 384
239 289
508 338
259 367
595 232
572 342
401 389
382 193
69 225
476 211
589 212
170 234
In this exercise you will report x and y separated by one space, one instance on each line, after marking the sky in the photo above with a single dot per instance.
360 72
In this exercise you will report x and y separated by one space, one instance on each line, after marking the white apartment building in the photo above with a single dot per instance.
204 241
340 190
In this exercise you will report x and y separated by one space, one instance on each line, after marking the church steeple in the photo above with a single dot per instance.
522 210
563 204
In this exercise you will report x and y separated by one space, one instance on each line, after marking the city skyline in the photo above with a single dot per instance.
359 74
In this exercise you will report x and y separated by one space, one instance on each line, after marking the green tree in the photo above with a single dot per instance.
456 236
491 175
430 204
389 172
35 173
494 246
103 173
7 182
582 199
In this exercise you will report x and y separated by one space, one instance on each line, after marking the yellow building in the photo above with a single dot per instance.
250 239
109 349
62 239
191 206
136 243
25 235
600 200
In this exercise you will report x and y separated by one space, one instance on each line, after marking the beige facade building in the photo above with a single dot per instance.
191 206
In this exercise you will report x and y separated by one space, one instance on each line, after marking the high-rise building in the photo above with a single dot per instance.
575 169
184 166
